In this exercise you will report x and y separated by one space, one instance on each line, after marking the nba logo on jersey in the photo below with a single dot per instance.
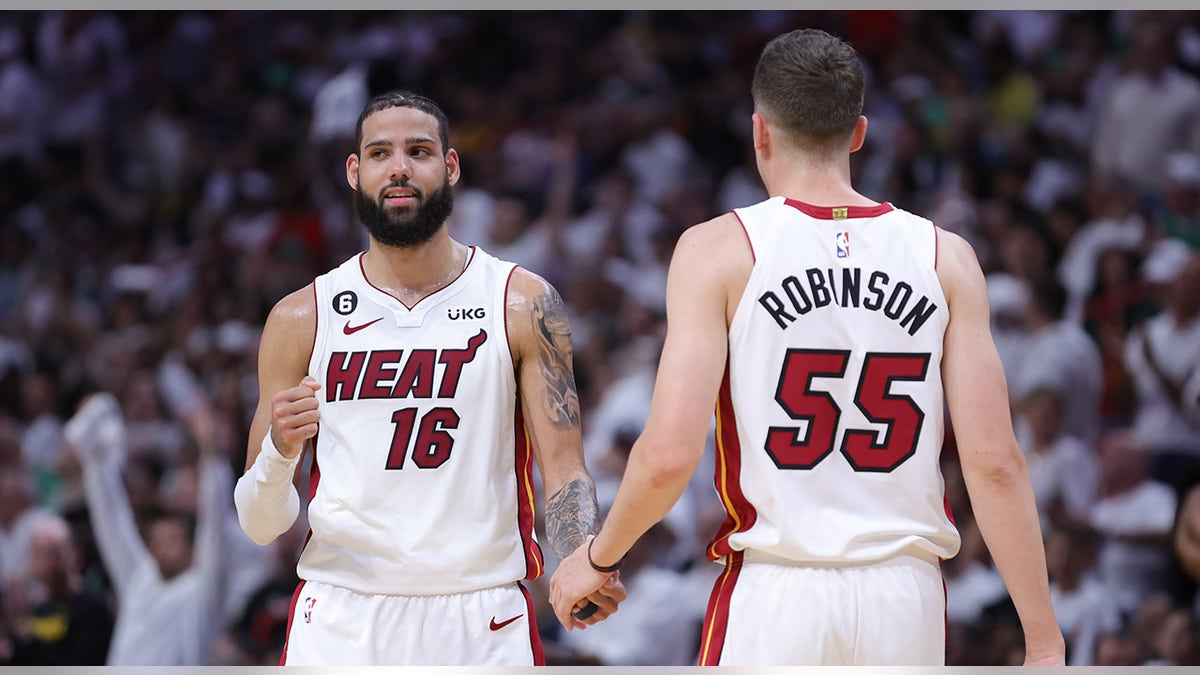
309 603
843 244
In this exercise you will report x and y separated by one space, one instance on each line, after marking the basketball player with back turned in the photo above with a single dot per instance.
830 330
427 377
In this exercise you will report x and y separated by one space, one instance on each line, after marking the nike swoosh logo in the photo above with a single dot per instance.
502 624
351 330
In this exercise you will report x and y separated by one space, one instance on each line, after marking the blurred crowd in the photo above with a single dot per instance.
166 177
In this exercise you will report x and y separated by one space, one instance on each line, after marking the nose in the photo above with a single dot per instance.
400 171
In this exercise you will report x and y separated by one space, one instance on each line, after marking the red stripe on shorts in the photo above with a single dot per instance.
535 639
291 615
716 619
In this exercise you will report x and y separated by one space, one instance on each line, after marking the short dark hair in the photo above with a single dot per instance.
810 84
401 98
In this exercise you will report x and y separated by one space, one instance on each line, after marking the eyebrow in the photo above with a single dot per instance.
412 140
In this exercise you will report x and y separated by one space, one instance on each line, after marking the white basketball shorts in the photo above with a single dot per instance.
333 626
883 613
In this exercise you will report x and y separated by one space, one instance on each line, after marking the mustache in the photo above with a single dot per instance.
400 184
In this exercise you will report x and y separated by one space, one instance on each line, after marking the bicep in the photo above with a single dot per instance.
546 389
972 374
694 354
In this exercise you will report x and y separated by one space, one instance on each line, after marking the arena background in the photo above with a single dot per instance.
165 177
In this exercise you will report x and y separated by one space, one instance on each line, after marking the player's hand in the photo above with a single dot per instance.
606 599
294 417
575 583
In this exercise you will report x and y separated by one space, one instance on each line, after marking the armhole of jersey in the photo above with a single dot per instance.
501 314
749 240
320 332
741 307
937 277
935 245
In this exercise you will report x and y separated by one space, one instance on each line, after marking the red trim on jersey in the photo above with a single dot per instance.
753 257
314 473
949 511
740 512
827 212
534 565
935 246
317 310
291 615
507 281
314 477
716 618
535 639
363 271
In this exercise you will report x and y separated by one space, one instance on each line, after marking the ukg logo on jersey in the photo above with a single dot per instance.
465 313
843 244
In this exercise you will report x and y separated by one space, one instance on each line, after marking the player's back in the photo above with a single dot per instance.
830 417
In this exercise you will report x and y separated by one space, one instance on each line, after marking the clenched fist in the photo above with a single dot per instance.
294 417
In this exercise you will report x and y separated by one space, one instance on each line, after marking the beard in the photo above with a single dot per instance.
392 228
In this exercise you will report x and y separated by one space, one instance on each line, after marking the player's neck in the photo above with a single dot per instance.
410 274
820 184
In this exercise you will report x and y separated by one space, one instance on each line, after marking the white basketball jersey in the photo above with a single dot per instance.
422 473
830 416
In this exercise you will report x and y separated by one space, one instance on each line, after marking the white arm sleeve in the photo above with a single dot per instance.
267 502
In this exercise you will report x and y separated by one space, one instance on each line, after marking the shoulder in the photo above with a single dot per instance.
957 265
719 243
296 308
525 286
532 304
535 315
725 229
293 320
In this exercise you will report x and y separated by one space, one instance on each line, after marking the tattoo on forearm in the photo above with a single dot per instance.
572 513
553 334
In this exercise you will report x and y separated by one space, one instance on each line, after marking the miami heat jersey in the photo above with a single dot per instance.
830 416
422 474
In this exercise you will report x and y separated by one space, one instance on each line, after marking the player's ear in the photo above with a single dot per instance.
762 137
859 136
453 169
352 170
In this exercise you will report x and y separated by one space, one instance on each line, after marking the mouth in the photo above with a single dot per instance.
399 197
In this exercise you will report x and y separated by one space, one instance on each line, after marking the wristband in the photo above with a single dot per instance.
601 568
274 459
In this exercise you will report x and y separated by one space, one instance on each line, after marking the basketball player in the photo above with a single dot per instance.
428 377
826 327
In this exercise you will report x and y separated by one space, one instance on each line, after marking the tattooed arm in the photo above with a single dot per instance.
540 336
540 339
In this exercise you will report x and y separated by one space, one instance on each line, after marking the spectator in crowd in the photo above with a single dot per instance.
169 588
1059 355
1179 215
1134 514
1152 110
1084 607
61 623
1164 358
1120 301
1062 468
